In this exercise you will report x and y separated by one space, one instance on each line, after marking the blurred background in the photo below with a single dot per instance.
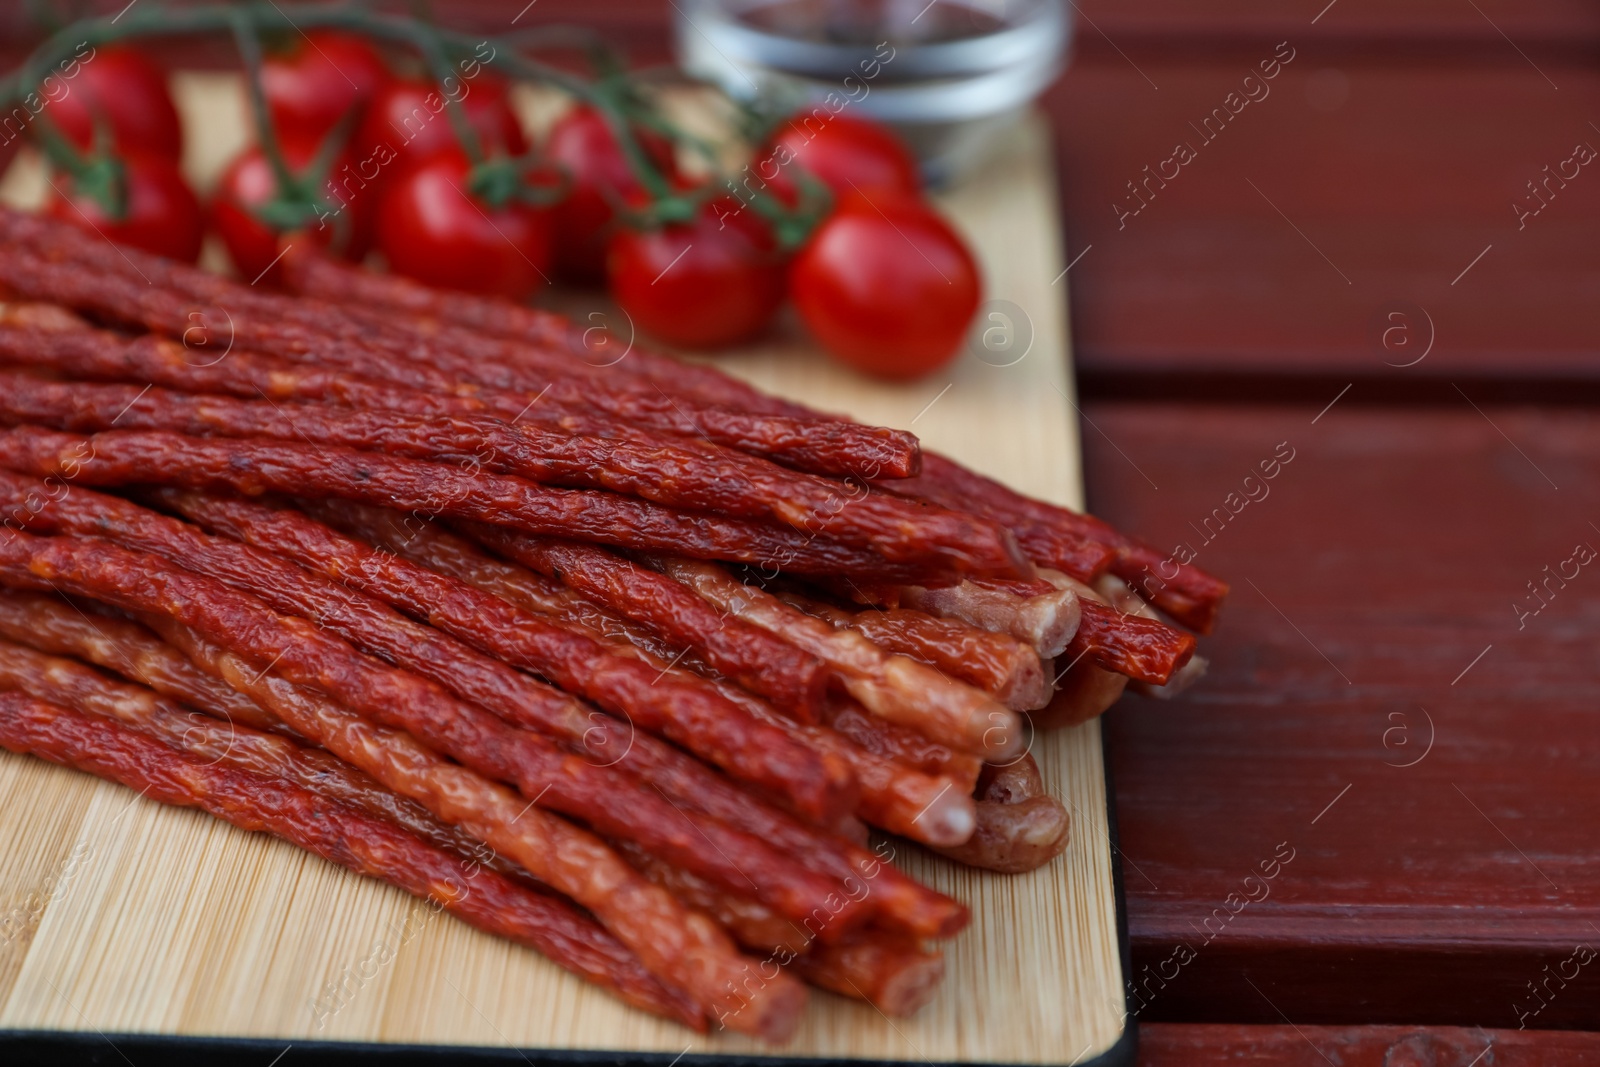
1396 142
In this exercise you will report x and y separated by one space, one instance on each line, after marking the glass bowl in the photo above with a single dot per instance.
949 75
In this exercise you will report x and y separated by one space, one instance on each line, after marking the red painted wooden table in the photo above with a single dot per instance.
1357 265
1387 259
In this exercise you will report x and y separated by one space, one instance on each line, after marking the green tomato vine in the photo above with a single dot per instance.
493 179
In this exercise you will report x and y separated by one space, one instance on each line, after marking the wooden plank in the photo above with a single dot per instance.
1374 707
1351 191
174 923
1171 1045
1434 26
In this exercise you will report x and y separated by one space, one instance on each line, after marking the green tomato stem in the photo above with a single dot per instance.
615 101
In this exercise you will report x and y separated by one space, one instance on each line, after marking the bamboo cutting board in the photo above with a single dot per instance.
120 916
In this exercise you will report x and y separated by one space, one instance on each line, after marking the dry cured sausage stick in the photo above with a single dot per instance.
829 446
1040 610
163 295
253 321
863 740
571 450
925 806
1143 649
684 711
366 845
898 799
752 924
1126 601
895 797
528 705
1122 634
1057 536
255 466
685 950
310 274
894 973
1182 590
611 801
761 662
95 354
887 969
1083 691
1079 545
743 487
1045 618
1083 688
49 624
26 668
900 744
46 318
1020 826
1005 668
895 688
105 356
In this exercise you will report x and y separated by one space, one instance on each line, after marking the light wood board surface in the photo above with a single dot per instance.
120 915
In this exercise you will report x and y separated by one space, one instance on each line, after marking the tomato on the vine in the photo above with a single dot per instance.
409 117
712 281
433 228
846 154
344 225
887 286
582 145
123 91
322 76
160 212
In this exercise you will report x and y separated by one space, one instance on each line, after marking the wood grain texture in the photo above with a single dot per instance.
1170 1045
1353 189
161 920
1375 704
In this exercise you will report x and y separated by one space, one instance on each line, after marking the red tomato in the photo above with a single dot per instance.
324 75
846 154
431 228
887 286
713 281
253 245
161 215
581 144
125 92
408 122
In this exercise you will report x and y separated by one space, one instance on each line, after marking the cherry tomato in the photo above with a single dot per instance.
324 75
408 121
887 286
161 213
431 228
123 90
713 281
249 182
582 145
846 154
